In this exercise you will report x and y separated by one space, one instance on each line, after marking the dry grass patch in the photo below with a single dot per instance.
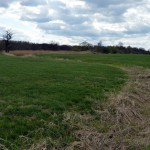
32 52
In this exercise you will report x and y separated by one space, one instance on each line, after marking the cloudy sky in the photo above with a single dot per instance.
74 21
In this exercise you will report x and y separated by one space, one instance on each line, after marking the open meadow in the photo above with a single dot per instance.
46 99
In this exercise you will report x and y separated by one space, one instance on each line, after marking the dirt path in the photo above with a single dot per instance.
126 117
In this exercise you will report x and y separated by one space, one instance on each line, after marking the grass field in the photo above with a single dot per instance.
36 92
112 59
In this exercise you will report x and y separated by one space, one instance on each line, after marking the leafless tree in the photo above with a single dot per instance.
7 36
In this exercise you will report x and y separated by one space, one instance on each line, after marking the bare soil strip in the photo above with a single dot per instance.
125 116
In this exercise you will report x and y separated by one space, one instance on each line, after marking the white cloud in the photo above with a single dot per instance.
71 21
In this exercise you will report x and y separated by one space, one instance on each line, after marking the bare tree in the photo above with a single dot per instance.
85 44
7 38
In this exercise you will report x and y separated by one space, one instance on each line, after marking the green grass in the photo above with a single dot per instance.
148 147
35 92
113 59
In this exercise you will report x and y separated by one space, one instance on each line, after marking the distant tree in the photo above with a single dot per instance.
7 38
85 45
99 47
120 44
1 45
100 44
112 49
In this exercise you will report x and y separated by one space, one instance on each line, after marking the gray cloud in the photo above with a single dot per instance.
137 29
83 30
112 9
78 21
68 15
51 26
107 3
87 19
6 3
33 2
40 17
61 12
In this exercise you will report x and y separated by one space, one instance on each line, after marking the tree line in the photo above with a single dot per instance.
7 44
23 45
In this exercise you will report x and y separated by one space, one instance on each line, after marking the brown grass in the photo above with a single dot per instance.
31 52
